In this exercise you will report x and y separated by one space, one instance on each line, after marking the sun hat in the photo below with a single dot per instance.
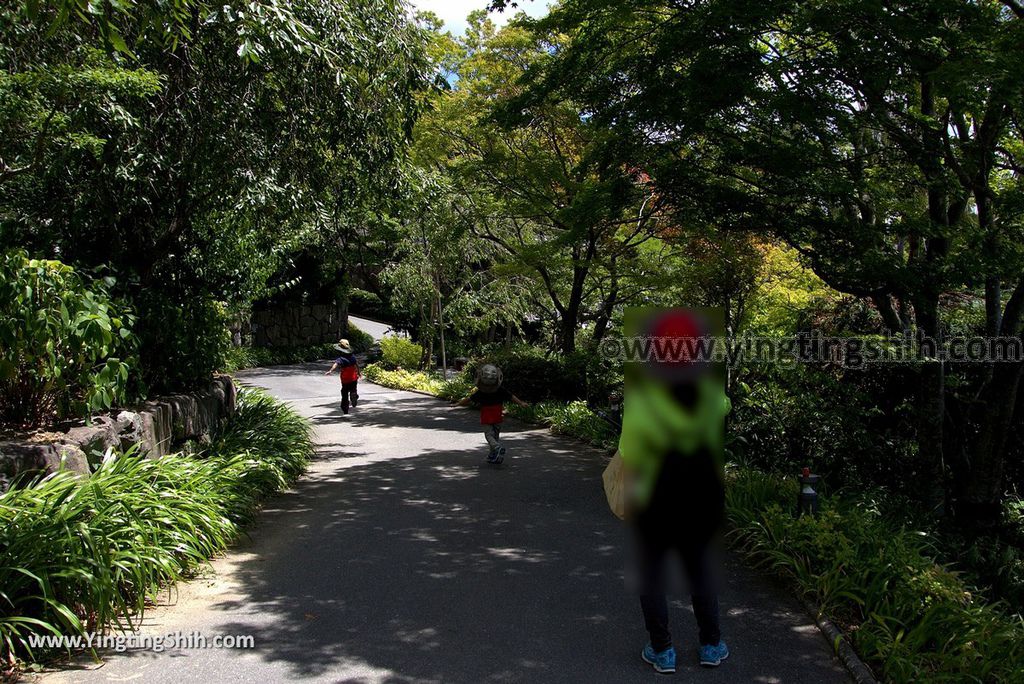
343 345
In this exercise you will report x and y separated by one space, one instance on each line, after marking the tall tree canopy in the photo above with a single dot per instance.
193 146
532 187
881 140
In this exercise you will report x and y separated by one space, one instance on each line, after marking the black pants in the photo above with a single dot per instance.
703 592
684 515
348 392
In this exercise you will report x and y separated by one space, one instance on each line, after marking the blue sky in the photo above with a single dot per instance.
453 12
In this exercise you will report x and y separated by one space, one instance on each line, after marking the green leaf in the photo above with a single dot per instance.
117 41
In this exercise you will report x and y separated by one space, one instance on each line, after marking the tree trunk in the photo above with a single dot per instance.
571 314
930 408
440 324
608 305
342 309
982 493
607 309
567 334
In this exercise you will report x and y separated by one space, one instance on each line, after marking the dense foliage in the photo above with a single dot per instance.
400 352
882 141
66 346
196 148
84 555
909 618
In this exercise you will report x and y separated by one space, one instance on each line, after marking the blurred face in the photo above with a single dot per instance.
672 347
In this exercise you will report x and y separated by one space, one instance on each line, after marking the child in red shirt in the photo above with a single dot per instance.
349 374
490 397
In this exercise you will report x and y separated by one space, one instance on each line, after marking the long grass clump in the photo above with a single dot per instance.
910 618
80 555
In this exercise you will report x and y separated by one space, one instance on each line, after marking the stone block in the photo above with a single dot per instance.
28 459
185 417
17 457
159 424
150 429
230 400
103 434
131 432
208 410
71 459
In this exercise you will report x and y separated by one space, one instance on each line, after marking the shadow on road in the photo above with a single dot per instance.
425 563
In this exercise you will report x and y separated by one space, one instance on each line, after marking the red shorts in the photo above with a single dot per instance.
489 415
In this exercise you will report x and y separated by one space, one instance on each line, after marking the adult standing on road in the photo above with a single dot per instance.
349 374
671 446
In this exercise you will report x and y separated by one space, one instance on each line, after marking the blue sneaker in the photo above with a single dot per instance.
664 662
712 656
499 455
491 456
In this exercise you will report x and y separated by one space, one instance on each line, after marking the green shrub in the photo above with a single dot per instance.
531 375
853 428
574 419
535 375
82 555
908 617
404 379
456 388
183 339
240 358
600 376
65 345
360 341
399 352
365 303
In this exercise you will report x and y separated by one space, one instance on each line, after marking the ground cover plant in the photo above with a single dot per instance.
80 555
909 617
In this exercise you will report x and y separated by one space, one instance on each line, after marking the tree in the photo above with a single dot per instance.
194 150
531 185
882 141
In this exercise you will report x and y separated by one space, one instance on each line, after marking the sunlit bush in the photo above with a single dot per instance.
66 346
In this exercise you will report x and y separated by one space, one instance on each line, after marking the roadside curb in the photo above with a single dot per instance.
860 672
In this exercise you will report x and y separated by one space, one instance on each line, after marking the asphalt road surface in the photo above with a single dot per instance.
403 557
374 329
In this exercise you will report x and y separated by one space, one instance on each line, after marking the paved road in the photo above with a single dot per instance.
375 329
403 558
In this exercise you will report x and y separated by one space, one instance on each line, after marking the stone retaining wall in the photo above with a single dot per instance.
157 426
297 325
